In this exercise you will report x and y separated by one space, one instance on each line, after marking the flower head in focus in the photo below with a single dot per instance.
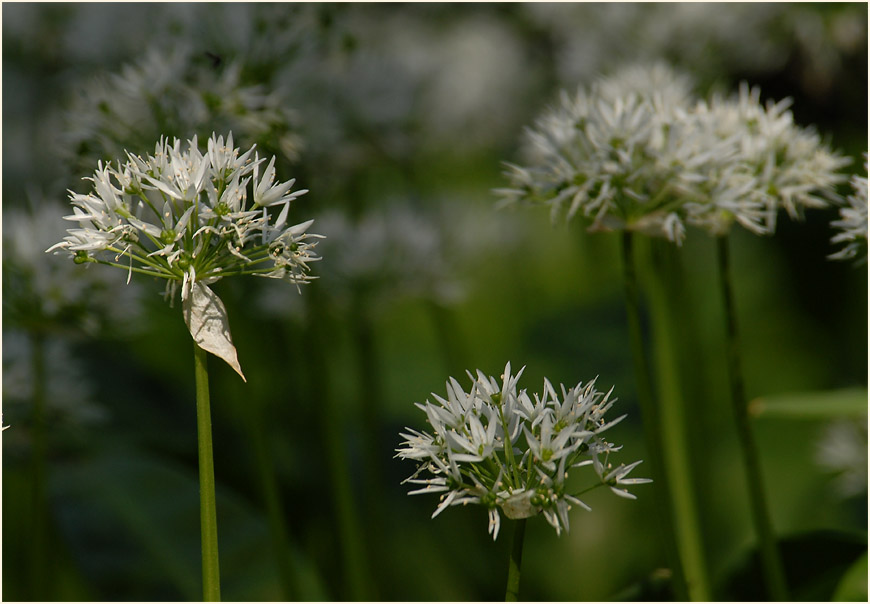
184 215
511 452
852 224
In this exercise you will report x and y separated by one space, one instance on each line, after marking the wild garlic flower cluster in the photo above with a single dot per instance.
638 151
184 216
789 166
852 224
503 449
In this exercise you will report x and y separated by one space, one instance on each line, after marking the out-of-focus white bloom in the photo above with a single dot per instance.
501 448
392 252
467 75
595 37
183 215
636 151
624 153
398 251
49 294
69 396
842 450
781 164
174 91
852 224
708 40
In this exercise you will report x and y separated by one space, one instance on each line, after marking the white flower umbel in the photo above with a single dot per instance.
503 449
852 224
184 216
774 164
626 153
637 151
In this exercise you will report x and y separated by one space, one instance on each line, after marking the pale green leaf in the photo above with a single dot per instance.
847 402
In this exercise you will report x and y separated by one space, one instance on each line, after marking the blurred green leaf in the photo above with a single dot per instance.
853 585
848 402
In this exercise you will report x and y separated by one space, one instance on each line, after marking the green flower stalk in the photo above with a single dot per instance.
183 215
793 171
512 453
626 154
637 152
789 168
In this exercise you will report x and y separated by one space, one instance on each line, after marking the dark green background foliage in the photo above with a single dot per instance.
390 104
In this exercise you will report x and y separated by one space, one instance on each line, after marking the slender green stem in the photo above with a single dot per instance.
39 549
370 401
135 269
349 532
770 560
651 422
211 588
273 500
665 311
515 562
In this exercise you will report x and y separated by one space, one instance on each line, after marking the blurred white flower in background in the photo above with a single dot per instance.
48 294
468 75
636 151
842 451
174 91
391 252
68 393
790 165
705 39
399 251
852 224
410 84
